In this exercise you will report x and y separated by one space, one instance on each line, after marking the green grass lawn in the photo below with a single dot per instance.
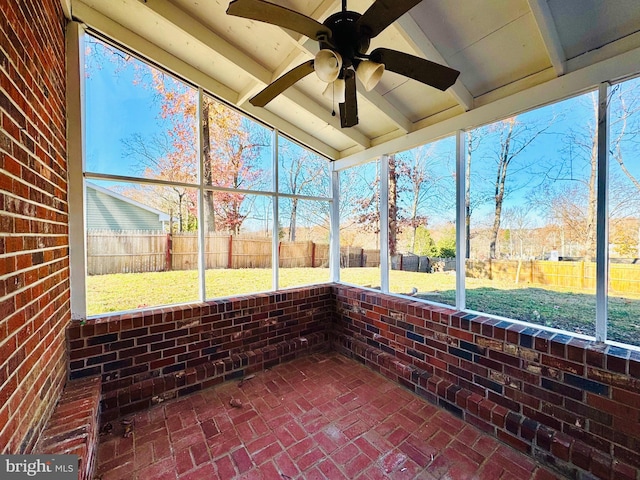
565 309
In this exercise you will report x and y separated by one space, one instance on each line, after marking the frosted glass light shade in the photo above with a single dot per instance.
369 73
327 65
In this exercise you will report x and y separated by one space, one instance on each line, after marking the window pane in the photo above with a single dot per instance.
360 225
140 251
425 195
624 218
140 121
238 245
237 151
300 171
531 210
304 242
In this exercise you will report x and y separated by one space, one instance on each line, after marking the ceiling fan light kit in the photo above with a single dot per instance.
344 40
369 73
327 65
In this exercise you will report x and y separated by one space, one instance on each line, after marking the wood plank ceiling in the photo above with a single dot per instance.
501 48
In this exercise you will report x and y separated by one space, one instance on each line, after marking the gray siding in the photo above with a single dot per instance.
104 212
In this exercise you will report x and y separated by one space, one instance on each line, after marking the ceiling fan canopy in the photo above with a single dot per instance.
344 40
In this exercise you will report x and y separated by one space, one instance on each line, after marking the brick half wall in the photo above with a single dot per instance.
145 358
570 403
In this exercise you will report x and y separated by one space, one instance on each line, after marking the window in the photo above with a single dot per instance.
304 215
531 179
529 212
360 236
164 197
624 217
423 263
191 200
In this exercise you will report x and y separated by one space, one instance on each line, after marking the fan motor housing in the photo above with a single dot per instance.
346 39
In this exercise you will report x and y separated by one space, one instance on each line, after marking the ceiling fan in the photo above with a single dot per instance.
344 39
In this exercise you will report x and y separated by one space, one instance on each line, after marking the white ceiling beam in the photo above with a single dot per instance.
143 47
549 33
321 112
554 90
66 8
415 36
199 32
386 107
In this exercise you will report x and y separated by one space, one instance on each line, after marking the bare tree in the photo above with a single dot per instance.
513 139
426 187
301 173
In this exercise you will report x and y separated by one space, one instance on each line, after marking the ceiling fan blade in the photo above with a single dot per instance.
349 109
281 84
419 69
276 15
383 13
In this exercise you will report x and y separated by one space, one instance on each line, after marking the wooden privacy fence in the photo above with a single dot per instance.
125 252
623 277
138 251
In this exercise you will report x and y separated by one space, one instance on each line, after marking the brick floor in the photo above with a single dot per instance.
319 417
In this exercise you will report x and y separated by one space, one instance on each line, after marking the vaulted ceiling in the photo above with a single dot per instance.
503 49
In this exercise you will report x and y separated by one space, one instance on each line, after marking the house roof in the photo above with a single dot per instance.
512 55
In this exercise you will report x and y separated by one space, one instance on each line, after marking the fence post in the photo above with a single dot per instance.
313 254
168 260
531 271
230 255
582 274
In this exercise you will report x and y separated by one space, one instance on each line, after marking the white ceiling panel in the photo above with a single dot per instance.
497 45
585 25
488 64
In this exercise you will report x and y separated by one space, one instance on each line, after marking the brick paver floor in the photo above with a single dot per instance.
320 417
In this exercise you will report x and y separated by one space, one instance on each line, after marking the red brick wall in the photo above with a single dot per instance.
572 404
148 357
34 278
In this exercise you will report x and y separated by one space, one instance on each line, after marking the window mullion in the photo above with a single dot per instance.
461 251
76 153
384 223
334 242
602 223
202 267
275 238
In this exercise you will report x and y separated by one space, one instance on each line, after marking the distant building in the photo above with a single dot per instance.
108 210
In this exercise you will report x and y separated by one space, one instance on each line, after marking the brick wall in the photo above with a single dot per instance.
149 357
34 279
572 404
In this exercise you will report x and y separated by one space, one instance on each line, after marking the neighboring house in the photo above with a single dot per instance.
108 210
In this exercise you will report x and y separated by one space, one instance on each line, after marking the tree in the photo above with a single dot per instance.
423 188
231 144
514 138
301 173
424 243
232 155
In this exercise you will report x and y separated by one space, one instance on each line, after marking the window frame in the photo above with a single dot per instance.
79 176
553 91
